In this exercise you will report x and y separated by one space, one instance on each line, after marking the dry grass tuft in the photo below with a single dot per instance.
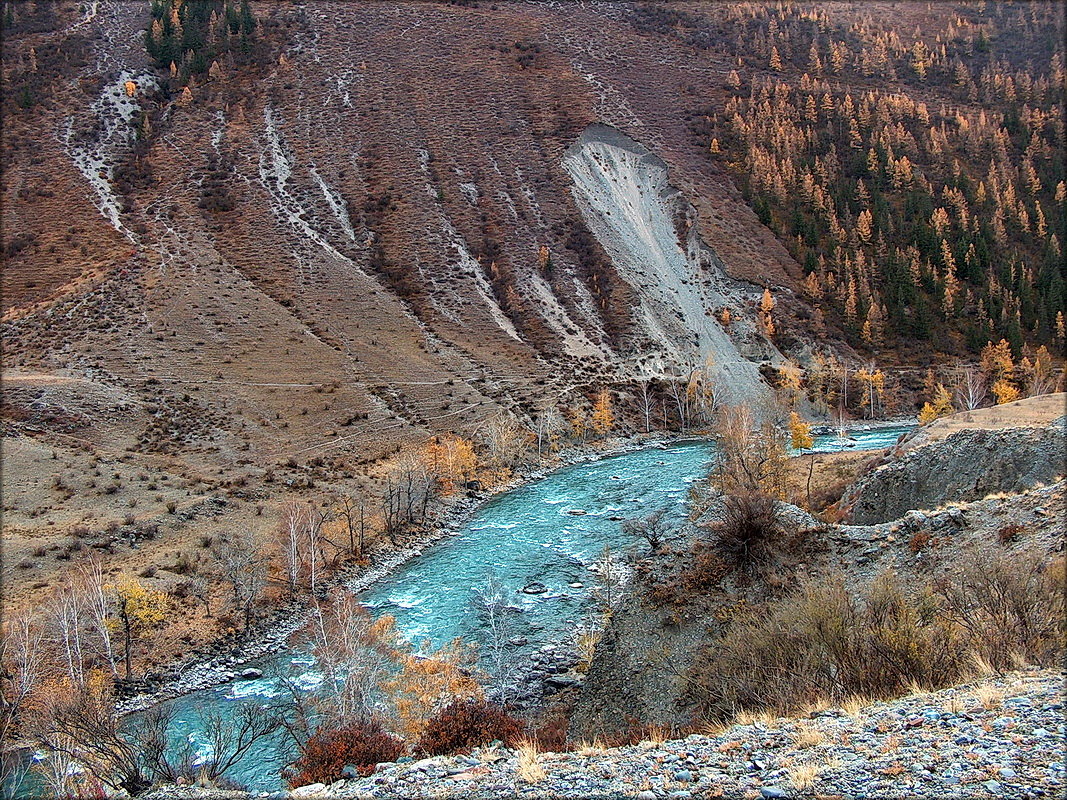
762 717
530 770
808 735
802 776
854 705
655 736
594 748
989 697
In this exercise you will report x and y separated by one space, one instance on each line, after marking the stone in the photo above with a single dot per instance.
310 790
251 674
561 682
534 587
772 792
647 794
685 776
1007 772
350 772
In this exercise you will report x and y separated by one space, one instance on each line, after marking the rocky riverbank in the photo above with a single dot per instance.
999 737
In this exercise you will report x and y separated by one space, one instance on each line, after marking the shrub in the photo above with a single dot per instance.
466 724
919 541
1010 606
1009 533
551 732
747 535
329 750
824 641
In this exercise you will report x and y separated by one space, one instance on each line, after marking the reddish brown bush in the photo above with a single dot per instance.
330 750
551 733
465 724
1009 533
919 541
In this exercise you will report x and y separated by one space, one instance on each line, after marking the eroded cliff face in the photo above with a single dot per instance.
649 230
966 466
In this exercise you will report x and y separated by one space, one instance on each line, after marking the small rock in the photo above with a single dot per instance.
350 771
251 673
1007 772
534 587
993 787
685 776
771 792
647 794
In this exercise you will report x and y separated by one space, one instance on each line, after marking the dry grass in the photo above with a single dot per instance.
594 748
808 734
530 770
989 697
953 705
854 705
655 736
802 776
763 717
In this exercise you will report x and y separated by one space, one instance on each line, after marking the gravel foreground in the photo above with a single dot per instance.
999 737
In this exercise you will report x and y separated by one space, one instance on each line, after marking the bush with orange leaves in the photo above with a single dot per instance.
330 749
465 724
425 684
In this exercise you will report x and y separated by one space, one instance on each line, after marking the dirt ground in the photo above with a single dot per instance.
1040 410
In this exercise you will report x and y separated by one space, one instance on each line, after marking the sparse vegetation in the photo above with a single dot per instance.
823 641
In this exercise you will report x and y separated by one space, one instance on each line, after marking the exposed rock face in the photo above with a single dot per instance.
648 228
637 673
966 466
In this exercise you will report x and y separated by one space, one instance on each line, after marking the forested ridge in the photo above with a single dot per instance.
911 161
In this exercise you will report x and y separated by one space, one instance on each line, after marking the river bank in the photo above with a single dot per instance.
223 660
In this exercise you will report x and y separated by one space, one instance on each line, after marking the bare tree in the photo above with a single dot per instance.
354 512
356 655
97 607
750 456
645 403
609 573
407 492
22 663
505 438
653 529
546 427
491 600
291 535
243 566
970 388
79 723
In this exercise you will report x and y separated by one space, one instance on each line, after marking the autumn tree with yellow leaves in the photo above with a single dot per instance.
136 611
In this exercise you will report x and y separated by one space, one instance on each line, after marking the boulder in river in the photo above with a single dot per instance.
534 587
251 674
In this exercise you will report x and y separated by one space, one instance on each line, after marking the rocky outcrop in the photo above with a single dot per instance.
966 466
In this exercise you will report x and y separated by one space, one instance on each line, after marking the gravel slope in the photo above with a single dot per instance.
999 737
